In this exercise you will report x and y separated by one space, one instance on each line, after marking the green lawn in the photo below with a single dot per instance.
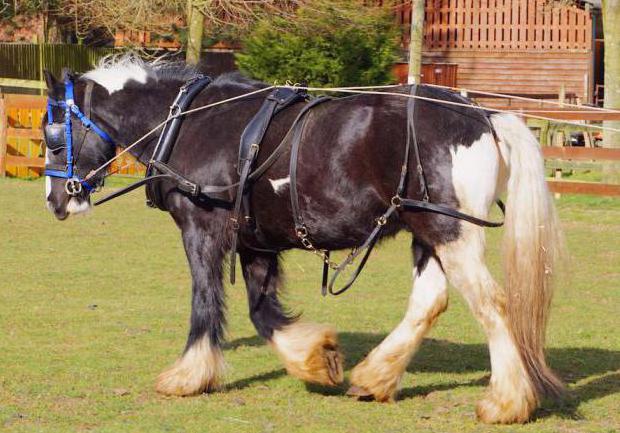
93 308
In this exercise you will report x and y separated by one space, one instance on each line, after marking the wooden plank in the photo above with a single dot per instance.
33 134
582 153
531 24
584 188
3 137
24 84
25 161
26 101
592 116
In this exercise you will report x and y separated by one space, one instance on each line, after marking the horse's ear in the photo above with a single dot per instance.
67 74
54 87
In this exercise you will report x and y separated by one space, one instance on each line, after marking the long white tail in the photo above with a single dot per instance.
531 248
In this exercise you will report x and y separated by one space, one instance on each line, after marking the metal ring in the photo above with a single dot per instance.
73 187
302 232
396 201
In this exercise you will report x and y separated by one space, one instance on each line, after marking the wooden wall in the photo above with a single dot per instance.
519 73
509 46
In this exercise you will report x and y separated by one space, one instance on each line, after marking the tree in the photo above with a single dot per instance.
337 43
195 24
416 41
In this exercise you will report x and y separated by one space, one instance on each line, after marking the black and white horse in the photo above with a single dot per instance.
348 170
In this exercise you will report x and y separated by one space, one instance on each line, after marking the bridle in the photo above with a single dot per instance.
59 135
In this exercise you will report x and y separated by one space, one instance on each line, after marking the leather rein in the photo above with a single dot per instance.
252 136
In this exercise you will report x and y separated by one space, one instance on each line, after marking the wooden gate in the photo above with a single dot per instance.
22 151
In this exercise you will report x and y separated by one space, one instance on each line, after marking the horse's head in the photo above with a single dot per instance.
77 144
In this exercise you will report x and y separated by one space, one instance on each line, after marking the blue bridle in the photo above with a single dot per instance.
54 139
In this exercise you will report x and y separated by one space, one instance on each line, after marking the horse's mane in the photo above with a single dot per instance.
116 71
238 80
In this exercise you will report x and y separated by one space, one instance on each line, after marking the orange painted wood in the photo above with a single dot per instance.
25 161
25 102
33 134
581 153
584 188
3 138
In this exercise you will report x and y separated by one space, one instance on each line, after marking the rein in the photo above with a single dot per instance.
158 169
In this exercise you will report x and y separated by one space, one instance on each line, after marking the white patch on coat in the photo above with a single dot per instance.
48 179
278 185
475 172
75 206
114 73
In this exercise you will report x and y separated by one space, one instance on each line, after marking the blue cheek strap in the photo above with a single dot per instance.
70 108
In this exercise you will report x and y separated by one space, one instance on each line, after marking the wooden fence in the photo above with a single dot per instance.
22 151
509 46
27 61
520 25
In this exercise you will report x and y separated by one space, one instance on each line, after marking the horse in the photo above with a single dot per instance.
348 168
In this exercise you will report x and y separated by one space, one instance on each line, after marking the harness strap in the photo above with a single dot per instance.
395 203
249 146
252 153
168 137
297 128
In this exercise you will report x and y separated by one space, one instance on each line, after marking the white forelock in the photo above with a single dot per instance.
113 72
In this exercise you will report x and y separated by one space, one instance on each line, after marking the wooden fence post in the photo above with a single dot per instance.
3 131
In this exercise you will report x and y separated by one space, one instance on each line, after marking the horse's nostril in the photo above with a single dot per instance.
60 212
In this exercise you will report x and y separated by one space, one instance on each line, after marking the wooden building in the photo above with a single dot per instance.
522 47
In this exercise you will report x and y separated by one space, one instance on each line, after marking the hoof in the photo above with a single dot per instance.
199 370
310 352
492 410
360 393
376 380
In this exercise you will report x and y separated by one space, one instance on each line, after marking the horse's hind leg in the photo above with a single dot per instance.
511 397
308 351
379 375
201 366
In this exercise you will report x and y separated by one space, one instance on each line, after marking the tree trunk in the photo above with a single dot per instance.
416 41
611 28
195 26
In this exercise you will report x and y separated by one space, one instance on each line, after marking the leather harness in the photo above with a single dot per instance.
250 142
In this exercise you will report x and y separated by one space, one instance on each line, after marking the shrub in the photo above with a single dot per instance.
335 43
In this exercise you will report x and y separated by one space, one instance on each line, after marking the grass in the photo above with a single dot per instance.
92 309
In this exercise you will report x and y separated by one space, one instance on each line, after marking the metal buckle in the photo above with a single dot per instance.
302 232
381 221
235 223
73 186
307 244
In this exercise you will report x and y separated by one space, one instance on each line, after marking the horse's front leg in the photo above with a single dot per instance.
309 351
201 367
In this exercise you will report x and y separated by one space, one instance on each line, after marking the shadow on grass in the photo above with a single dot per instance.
573 364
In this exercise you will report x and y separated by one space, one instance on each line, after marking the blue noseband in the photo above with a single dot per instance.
55 140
